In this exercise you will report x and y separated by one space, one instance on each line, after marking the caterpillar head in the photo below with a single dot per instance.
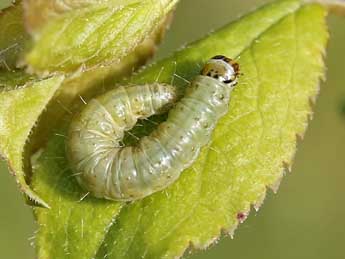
223 69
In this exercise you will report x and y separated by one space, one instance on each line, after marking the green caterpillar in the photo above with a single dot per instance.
125 173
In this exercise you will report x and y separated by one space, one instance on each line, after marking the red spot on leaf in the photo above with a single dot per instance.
241 216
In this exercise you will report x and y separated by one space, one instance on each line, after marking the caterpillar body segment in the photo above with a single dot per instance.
107 169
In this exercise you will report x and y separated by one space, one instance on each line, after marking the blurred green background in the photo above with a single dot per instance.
304 220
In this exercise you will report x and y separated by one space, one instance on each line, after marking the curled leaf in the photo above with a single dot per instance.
39 12
96 35
53 100
19 112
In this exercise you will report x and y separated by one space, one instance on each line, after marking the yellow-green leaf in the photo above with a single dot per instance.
39 12
98 34
59 96
76 225
280 50
19 111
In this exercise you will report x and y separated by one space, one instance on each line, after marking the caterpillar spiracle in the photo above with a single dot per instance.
109 170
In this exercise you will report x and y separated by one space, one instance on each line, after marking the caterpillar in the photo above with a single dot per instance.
107 169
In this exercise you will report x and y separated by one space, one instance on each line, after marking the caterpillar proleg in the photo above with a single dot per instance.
112 171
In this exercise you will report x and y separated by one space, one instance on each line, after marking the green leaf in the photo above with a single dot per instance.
99 34
281 61
76 225
280 50
19 111
39 12
60 96
12 36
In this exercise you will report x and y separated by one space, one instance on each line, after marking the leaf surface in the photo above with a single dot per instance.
19 111
98 34
59 97
76 224
281 61
280 50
